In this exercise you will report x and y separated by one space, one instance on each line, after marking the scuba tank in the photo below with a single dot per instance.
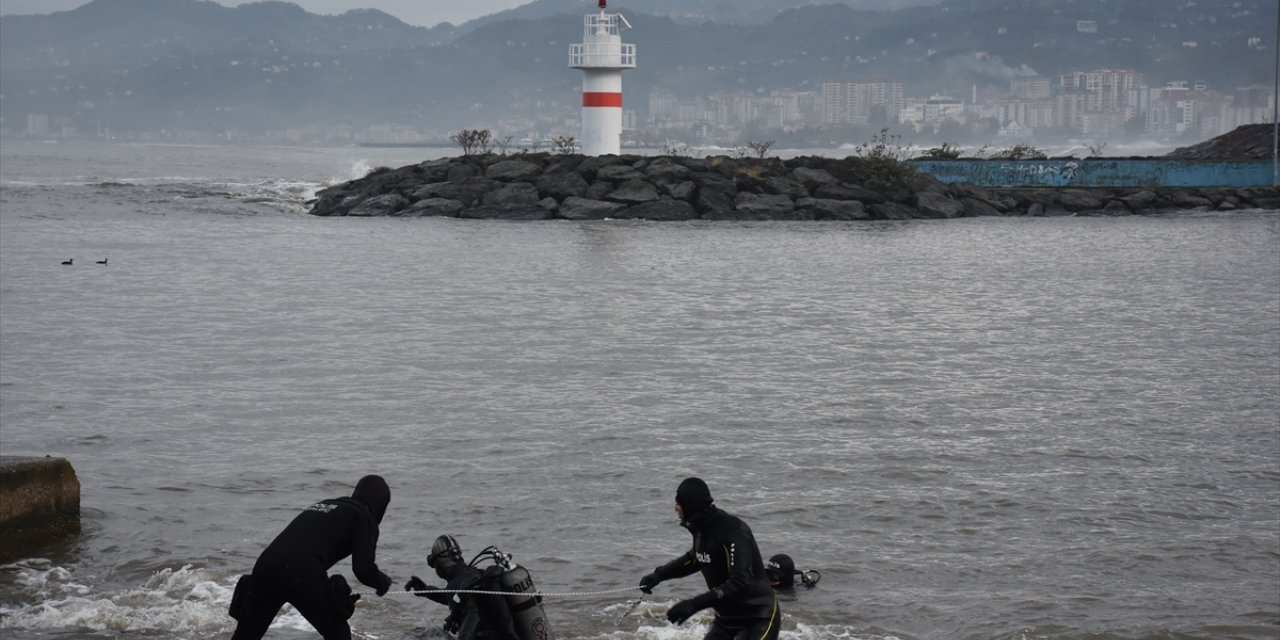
528 618
527 614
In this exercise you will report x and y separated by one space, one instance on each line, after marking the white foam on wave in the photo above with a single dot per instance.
295 195
651 617
188 600
359 169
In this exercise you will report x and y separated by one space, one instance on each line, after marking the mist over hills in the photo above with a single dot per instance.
129 65
740 12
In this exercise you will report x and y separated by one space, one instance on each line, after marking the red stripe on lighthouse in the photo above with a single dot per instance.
602 99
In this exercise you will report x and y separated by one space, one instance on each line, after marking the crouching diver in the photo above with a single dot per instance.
476 616
725 551
782 573
293 567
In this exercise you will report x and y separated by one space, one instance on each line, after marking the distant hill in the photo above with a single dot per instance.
739 12
146 64
128 31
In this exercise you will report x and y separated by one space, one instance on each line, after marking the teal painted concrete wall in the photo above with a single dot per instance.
1101 172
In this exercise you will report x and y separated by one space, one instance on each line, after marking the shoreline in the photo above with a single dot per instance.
543 186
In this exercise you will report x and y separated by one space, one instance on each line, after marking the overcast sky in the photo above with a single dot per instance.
425 13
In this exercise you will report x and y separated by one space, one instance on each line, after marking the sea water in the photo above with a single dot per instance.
991 428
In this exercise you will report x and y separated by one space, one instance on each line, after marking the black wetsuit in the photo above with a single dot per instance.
293 568
473 616
725 551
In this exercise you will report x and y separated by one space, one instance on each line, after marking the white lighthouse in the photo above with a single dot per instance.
602 56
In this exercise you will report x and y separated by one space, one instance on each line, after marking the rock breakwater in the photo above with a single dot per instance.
669 188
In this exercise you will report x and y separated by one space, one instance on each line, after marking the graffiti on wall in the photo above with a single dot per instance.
1101 172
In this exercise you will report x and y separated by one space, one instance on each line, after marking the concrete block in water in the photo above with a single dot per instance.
39 504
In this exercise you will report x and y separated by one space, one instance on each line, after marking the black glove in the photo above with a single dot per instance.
685 609
451 626
386 585
682 611
415 584
650 581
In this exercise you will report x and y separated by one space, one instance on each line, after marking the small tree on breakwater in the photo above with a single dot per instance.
473 141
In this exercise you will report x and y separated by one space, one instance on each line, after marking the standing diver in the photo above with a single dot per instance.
471 616
293 568
725 551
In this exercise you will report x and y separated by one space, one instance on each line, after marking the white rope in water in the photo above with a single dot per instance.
567 594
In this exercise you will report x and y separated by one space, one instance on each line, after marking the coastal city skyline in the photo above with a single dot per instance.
811 76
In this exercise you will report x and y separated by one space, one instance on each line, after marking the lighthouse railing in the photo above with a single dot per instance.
602 56
602 24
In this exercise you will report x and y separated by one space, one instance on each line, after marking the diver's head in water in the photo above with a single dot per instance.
781 570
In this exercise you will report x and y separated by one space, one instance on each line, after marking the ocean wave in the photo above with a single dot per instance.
187 599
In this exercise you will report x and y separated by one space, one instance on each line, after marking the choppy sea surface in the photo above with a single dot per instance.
978 429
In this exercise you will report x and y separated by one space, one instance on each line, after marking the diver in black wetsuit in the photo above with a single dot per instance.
292 569
725 551
471 616
782 573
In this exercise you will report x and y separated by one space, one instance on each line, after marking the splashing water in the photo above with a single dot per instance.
184 600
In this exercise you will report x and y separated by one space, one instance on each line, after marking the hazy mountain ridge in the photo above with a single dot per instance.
138 28
737 12
193 63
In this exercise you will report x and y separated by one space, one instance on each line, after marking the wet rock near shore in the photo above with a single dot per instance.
673 188
39 504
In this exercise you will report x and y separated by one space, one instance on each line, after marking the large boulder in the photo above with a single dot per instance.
508 170
461 171
435 170
661 210
681 191
433 207
892 211
469 191
591 165
822 209
974 207
618 173
1141 200
516 193
634 192
575 208
665 171
842 191
432 190
334 201
936 205
598 191
562 184
751 206
383 205
1114 208
507 212
813 178
1184 200
784 187
715 202
1079 200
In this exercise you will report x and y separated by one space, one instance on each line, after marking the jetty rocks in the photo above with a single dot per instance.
668 188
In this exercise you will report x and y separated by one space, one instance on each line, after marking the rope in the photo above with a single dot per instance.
536 594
